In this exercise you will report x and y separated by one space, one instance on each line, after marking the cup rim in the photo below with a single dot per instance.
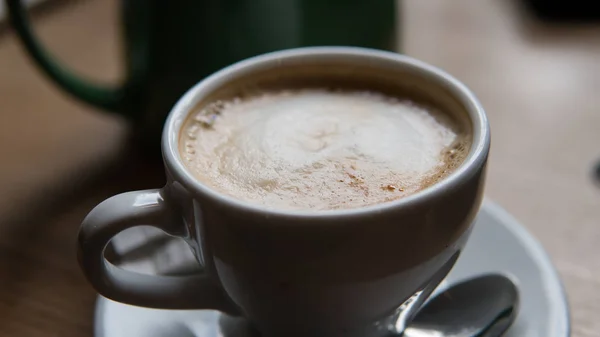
473 162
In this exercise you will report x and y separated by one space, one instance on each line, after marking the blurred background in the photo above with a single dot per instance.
535 69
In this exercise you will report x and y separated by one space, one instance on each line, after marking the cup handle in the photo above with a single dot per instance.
110 98
131 209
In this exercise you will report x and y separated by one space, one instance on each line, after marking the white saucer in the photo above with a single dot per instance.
498 244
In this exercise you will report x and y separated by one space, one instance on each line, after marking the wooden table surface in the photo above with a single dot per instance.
59 158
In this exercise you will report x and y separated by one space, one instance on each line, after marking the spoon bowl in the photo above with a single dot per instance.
483 306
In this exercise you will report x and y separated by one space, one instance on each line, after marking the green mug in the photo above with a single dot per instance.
171 45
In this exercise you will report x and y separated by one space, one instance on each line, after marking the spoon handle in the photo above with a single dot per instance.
410 307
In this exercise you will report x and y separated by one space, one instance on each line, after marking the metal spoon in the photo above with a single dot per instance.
484 306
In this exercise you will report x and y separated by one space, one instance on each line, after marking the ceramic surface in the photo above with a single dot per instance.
498 244
303 272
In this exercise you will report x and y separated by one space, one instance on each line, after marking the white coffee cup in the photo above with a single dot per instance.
299 273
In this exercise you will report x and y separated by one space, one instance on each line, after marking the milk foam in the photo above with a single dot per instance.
316 149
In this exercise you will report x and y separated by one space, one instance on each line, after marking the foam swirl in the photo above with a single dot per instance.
316 149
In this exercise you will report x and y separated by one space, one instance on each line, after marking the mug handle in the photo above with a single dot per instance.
130 209
110 98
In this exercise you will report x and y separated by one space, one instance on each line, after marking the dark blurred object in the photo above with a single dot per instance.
171 45
596 173
571 11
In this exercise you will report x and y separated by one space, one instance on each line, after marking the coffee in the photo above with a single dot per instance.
319 148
